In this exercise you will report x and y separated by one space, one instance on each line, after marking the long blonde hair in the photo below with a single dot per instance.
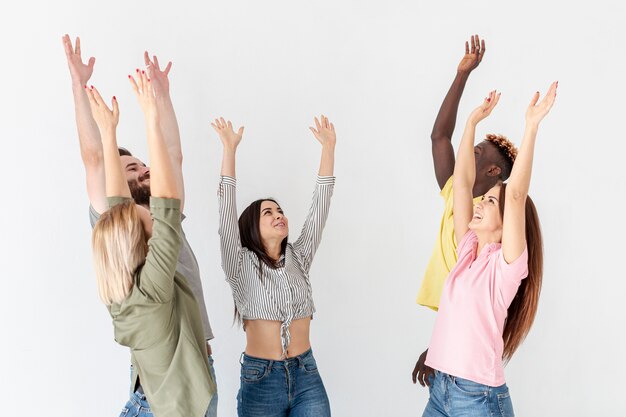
119 248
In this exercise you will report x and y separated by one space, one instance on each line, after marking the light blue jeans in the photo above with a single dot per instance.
137 405
451 396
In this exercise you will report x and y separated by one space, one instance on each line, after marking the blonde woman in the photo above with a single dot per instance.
152 306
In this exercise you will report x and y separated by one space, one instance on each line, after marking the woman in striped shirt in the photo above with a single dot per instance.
269 278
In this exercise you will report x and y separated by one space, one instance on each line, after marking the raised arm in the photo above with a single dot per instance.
107 120
163 173
465 168
311 235
167 117
514 222
88 133
157 274
230 241
441 136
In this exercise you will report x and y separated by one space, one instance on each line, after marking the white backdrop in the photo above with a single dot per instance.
380 70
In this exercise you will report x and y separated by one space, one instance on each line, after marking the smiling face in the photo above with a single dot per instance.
487 218
138 177
273 225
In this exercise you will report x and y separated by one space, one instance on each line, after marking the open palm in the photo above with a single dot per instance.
537 111
81 72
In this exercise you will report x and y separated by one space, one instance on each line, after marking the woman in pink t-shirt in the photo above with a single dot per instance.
490 297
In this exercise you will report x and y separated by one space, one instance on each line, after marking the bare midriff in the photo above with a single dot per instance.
263 338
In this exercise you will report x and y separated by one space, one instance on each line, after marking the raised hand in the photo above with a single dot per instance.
145 94
158 77
81 73
105 118
474 51
484 110
324 131
536 112
230 139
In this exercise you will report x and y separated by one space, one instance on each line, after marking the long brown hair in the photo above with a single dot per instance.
521 312
250 235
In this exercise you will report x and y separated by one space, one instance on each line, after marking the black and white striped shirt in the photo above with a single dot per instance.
285 293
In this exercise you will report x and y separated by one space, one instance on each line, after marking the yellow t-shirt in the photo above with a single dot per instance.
443 258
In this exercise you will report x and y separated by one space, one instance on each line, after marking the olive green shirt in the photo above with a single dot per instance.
160 322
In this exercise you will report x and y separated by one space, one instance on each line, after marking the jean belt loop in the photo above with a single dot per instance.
241 358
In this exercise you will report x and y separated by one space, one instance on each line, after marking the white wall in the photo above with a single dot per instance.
379 69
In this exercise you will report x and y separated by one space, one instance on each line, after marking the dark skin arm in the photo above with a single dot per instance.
441 136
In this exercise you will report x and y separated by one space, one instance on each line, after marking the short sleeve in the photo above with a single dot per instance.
446 191
515 271
467 244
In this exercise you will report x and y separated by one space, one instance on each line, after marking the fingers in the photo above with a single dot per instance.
156 62
534 100
133 84
67 45
315 132
240 131
116 108
230 125
332 127
467 50
473 45
97 97
477 44
146 58
92 100
77 50
427 377
91 62
167 69
317 124
482 49
550 96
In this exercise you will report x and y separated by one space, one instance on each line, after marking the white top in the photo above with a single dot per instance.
283 293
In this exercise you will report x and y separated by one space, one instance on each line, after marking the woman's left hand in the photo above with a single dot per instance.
324 131
536 112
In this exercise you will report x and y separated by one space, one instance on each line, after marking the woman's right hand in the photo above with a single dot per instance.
230 139
145 94
105 118
481 112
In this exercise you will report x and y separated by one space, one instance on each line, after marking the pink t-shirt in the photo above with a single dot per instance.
467 338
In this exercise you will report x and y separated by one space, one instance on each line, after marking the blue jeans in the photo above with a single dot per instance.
137 405
292 387
456 397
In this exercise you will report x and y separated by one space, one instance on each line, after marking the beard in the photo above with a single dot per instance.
140 193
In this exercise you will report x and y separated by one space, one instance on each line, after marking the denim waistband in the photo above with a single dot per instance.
289 362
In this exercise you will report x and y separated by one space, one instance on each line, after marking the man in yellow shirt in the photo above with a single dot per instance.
494 160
